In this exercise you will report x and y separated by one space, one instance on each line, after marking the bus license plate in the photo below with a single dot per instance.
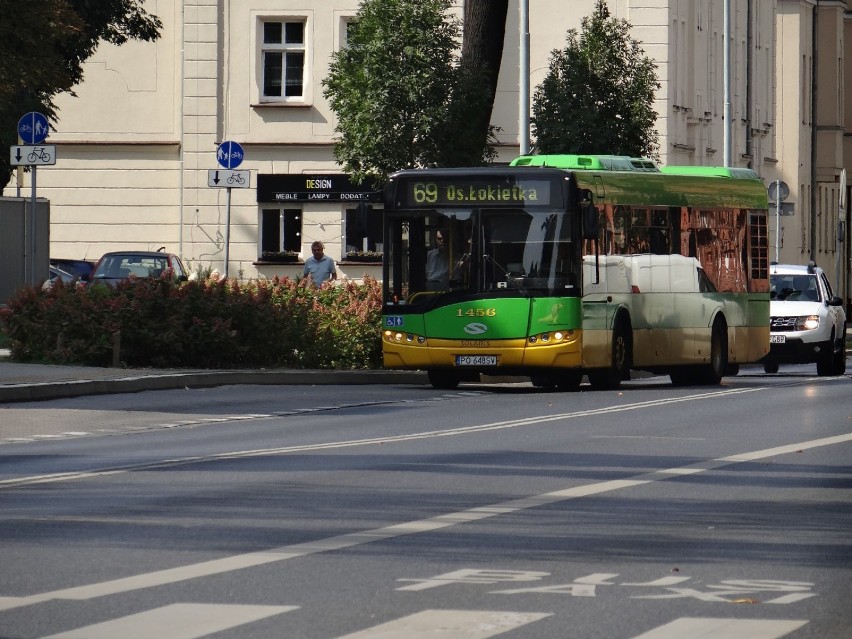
777 339
476 360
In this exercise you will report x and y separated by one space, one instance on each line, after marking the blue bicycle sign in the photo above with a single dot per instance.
33 128
229 154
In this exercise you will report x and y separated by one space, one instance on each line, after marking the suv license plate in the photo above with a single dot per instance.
777 339
476 360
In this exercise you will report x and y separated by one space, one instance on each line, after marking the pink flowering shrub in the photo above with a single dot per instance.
202 324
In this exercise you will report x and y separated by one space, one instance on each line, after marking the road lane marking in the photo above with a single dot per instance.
450 432
470 624
709 628
338 542
175 621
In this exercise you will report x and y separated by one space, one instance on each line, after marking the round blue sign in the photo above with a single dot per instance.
33 128
229 154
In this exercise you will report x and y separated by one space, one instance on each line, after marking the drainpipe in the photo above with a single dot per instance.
181 124
726 71
749 91
812 239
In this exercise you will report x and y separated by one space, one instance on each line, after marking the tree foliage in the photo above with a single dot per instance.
397 90
598 94
43 45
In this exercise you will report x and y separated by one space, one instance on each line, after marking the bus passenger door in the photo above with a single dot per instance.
597 312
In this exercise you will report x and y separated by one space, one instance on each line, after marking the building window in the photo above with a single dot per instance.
349 24
283 60
363 232
280 233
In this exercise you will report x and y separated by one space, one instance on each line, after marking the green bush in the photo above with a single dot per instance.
202 324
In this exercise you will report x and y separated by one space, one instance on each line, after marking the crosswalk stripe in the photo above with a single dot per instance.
470 624
712 628
176 621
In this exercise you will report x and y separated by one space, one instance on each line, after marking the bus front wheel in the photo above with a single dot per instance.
443 380
566 381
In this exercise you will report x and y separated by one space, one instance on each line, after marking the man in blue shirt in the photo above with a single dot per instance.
318 266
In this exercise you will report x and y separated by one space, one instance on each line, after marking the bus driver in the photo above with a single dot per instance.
438 265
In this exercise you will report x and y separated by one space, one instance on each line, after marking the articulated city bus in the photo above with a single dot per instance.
563 266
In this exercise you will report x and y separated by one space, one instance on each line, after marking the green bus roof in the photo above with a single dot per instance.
586 162
626 163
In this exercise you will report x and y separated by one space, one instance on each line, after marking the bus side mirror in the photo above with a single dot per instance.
589 215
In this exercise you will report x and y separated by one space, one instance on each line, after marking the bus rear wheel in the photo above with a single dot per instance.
712 373
707 374
443 380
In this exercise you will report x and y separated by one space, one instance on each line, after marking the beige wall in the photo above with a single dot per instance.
135 146
812 142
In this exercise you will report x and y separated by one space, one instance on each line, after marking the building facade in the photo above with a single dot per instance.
137 147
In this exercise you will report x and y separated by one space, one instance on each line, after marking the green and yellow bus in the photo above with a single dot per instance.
562 266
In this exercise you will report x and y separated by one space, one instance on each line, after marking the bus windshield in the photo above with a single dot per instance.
438 254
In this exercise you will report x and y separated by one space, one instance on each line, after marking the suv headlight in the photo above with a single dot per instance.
807 323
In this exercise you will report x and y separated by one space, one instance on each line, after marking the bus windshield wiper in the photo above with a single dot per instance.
515 281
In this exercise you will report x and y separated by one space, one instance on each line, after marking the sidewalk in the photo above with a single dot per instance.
33 382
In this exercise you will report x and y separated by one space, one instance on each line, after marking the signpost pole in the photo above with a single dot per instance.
227 229
778 221
33 241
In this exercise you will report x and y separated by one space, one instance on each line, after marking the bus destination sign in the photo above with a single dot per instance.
477 191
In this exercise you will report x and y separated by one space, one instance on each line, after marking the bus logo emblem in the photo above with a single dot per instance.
475 328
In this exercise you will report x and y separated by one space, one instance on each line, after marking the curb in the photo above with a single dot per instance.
35 391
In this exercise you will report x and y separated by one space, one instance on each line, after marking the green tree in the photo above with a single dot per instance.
43 44
598 94
392 88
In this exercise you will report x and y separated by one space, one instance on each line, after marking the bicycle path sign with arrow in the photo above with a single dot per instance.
229 155
33 129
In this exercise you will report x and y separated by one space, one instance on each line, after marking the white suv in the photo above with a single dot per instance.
807 323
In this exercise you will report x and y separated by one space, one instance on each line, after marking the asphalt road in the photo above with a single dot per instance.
362 512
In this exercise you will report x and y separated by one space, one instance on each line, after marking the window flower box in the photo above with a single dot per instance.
363 256
280 257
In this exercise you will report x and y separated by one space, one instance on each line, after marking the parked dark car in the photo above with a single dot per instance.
121 265
81 268
59 275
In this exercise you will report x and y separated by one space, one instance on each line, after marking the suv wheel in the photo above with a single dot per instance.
829 361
